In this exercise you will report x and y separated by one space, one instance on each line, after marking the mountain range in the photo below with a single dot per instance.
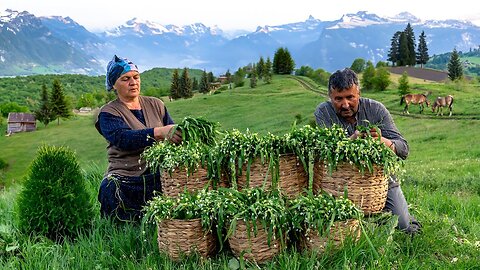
56 44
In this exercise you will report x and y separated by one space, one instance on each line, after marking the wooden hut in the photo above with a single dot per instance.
18 122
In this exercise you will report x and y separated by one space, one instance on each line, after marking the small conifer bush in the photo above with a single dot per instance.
54 201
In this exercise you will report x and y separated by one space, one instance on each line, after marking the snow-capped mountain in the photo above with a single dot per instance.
31 45
27 46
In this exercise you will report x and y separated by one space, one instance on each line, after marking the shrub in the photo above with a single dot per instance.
54 201
3 164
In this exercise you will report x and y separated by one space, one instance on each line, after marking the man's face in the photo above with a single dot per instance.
346 102
128 85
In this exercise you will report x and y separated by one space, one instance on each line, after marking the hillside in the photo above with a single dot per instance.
439 179
25 90
421 73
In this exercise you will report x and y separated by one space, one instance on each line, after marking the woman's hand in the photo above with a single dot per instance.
168 133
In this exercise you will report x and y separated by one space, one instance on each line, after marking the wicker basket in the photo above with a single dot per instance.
183 237
293 179
292 176
253 248
338 233
368 190
179 181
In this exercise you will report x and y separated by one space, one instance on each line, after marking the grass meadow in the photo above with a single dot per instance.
440 180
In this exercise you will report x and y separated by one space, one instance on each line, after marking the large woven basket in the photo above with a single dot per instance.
184 237
337 234
292 178
179 180
368 190
253 247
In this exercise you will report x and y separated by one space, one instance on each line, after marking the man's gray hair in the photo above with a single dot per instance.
341 80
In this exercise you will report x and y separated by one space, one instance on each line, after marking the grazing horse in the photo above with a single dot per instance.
414 99
441 102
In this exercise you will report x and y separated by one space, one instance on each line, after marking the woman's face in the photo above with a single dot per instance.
128 85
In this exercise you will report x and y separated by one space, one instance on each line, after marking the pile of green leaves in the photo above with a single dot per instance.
168 157
252 205
197 130
363 153
319 212
202 205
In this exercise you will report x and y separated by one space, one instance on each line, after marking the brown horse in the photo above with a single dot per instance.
414 99
441 102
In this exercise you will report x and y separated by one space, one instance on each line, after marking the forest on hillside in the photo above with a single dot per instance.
26 90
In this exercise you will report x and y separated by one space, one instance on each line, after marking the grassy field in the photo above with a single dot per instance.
440 181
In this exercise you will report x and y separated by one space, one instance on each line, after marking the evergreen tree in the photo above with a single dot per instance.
403 51
412 58
58 103
358 65
267 71
175 86
394 53
44 113
204 85
253 79
368 77
455 69
211 78
422 53
195 84
229 78
260 67
283 62
403 84
186 84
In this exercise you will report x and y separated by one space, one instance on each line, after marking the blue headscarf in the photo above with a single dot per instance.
116 68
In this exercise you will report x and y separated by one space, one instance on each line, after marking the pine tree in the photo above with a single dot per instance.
204 85
412 59
175 86
211 78
229 78
422 53
455 69
283 62
394 53
58 103
403 85
186 84
267 71
44 113
195 84
403 51
253 79
260 67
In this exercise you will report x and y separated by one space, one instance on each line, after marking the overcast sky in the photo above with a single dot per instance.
98 15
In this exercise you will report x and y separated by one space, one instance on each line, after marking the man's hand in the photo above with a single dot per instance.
168 133
374 132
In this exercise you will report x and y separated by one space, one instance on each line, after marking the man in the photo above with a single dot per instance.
347 109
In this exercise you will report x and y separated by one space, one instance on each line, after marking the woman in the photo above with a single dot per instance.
130 123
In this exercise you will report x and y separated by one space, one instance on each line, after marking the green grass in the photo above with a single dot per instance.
439 179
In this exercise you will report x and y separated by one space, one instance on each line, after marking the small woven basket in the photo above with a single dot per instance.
337 234
253 247
179 180
368 190
292 178
183 237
